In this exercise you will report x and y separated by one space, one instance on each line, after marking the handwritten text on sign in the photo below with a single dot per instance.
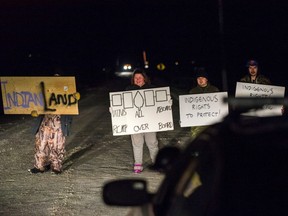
53 95
202 109
261 91
140 111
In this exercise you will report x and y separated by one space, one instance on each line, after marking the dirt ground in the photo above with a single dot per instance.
94 156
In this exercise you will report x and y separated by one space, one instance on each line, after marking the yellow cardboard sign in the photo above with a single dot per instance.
45 95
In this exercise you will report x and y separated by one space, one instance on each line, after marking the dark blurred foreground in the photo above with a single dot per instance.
236 167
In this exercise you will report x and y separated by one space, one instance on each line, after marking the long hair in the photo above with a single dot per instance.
142 72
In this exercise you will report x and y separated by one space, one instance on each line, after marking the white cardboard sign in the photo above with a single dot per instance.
202 109
140 111
261 91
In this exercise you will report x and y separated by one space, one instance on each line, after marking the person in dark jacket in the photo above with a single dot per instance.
203 86
254 76
140 80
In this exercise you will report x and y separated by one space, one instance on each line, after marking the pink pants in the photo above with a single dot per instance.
50 144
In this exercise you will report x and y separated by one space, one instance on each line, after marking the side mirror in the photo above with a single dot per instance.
127 192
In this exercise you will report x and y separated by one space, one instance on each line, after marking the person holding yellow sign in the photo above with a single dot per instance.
50 134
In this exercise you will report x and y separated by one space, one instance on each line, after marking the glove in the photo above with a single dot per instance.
77 96
34 113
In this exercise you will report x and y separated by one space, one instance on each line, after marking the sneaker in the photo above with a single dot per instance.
35 170
138 168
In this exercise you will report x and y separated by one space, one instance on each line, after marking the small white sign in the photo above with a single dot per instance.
202 109
261 91
140 111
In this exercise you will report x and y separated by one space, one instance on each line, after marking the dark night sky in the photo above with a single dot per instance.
84 36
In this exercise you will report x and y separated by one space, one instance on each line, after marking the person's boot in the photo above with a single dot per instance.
35 170
57 172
